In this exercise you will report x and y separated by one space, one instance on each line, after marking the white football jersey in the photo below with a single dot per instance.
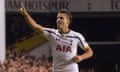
63 48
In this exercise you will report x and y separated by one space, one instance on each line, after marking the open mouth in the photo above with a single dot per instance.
59 22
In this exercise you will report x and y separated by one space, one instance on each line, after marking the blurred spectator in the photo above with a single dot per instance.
23 62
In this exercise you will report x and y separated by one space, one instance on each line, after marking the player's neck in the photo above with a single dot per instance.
64 31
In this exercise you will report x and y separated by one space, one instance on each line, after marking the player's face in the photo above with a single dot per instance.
63 21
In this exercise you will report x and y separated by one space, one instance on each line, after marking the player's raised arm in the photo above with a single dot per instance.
29 19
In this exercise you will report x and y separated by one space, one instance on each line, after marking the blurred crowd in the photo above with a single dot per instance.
23 62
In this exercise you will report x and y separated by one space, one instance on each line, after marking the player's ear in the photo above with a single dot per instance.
70 20
70 24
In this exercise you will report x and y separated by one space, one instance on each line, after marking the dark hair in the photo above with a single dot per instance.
67 12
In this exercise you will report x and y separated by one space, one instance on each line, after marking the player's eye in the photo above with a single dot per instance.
60 18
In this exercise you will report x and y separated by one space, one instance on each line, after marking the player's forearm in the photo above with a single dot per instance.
29 19
87 54
32 22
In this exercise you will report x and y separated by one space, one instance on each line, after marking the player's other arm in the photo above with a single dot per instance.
87 54
29 19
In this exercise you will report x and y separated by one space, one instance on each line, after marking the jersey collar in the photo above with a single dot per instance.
64 33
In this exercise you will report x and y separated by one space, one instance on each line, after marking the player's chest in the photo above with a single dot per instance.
64 39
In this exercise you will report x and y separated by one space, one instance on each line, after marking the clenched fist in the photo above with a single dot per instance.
77 59
22 9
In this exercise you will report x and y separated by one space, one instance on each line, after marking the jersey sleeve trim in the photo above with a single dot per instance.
82 45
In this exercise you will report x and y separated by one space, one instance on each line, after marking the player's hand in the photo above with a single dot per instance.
22 9
77 58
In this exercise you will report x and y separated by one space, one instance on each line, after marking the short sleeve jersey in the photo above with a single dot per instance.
64 47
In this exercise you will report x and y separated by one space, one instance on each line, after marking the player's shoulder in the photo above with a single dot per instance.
50 30
75 33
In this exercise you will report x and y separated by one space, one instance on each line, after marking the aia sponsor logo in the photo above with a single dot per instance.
63 48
